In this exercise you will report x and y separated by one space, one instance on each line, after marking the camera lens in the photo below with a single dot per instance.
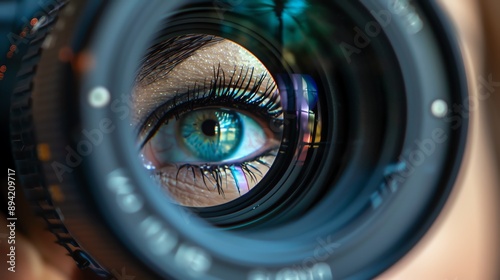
249 140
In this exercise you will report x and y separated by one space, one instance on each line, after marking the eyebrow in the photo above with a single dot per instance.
163 57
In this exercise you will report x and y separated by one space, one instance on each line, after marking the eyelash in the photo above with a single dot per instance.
222 90
219 172
218 93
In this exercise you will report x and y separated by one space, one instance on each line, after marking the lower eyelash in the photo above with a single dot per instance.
215 174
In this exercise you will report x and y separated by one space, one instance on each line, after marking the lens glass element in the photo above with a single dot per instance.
209 119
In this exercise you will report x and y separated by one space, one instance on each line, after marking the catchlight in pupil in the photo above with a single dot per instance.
209 118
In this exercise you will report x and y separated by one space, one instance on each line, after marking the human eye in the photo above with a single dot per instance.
214 134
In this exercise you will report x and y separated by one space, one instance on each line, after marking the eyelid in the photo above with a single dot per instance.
211 95
167 111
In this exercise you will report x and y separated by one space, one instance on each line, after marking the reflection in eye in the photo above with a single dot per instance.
211 135
207 135
217 139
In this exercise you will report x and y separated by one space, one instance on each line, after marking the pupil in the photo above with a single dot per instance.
208 127
211 134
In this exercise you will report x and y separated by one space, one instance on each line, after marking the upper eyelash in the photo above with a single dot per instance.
221 90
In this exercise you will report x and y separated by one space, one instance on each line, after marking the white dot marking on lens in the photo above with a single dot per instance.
439 108
99 97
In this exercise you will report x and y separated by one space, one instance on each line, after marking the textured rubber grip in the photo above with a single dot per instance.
23 144
15 17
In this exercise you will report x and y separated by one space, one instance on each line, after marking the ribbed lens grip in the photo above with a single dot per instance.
24 147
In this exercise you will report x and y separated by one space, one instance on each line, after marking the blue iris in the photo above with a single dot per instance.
211 134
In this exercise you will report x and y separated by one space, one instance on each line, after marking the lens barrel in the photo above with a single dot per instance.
371 146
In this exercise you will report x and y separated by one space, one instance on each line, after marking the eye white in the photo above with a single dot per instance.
166 145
